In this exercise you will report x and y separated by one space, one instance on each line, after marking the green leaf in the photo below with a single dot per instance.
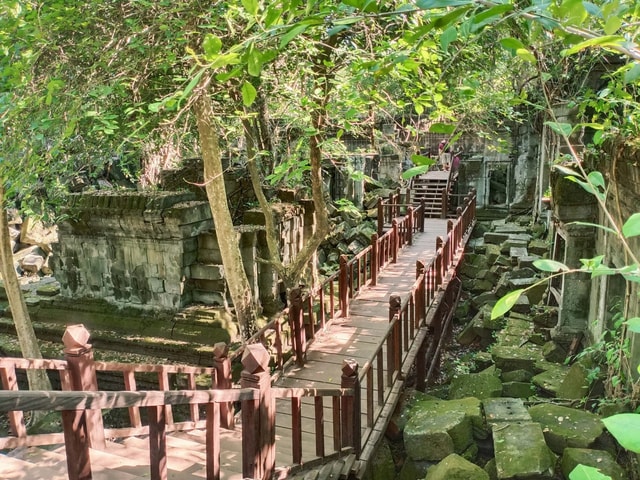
604 41
250 6
612 25
291 34
592 263
446 128
223 60
596 225
505 304
192 84
414 171
526 55
448 36
511 43
563 129
486 17
625 427
584 472
632 75
546 265
429 4
587 187
597 179
248 94
445 20
254 62
601 270
568 172
422 160
631 227
211 46
633 324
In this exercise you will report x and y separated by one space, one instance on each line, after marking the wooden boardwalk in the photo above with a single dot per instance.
356 336
355 363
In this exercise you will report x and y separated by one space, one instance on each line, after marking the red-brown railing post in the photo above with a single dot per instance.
410 226
296 319
351 421
395 353
422 209
222 365
380 216
9 381
444 196
394 241
157 416
79 356
76 444
258 416
439 253
421 293
343 286
374 259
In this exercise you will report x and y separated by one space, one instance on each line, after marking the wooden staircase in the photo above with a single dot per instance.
432 188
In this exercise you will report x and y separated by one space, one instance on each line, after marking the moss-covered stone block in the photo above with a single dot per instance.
478 385
454 467
382 465
599 459
511 441
567 427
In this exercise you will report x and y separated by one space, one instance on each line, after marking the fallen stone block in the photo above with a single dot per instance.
511 441
495 238
500 411
526 261
603 461
455 467
32 263
538 247
567 427
517 252
575 384
517 389
432 437
510 228
476 385
516 358
550 380
554 352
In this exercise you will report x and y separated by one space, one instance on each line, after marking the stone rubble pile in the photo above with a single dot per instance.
30 242
514 417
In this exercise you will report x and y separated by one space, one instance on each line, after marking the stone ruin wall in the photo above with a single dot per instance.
158 251
621 167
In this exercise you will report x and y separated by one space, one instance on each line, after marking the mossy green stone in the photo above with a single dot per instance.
478 385
432 436
599 459
454 467
382 466
567 427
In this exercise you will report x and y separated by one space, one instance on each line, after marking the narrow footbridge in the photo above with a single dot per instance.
317 386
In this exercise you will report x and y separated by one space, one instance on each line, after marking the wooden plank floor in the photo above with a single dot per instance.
356 337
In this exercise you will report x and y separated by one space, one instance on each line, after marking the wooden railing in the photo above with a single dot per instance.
310 311
81 403
417 322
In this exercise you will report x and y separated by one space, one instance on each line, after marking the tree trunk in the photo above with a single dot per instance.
228 239
38 379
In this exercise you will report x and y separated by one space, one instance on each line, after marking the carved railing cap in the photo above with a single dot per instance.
349 367
220 350
255 358
76 338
